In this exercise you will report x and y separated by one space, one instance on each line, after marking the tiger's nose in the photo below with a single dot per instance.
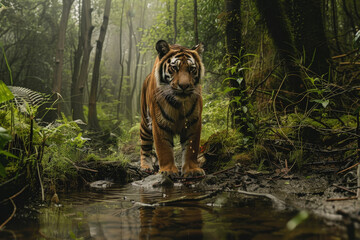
184 86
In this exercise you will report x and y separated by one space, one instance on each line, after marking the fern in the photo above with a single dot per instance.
26 99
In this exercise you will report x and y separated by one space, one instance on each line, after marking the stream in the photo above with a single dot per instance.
124 212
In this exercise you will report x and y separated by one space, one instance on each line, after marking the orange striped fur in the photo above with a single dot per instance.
171 104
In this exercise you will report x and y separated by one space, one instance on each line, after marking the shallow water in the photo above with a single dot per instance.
116 213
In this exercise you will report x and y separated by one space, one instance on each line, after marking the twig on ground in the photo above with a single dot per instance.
341 199
346 169
344 188
265 79
224 170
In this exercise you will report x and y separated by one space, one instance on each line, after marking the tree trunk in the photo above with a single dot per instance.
121 62
309 34
86 32
59 59
196 32
233 49
77 61
273 14
175 25
128 107
92 117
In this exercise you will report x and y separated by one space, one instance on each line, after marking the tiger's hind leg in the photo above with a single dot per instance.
146 137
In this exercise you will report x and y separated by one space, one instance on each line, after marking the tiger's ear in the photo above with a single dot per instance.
162 47
199 48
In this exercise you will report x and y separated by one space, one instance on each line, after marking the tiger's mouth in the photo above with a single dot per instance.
183 93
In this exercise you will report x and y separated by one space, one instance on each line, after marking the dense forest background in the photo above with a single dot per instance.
281 76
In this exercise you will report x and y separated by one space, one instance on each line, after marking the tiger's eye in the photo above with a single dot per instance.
174 68
192 69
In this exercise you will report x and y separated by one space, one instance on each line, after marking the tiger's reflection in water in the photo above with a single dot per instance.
138 221
181 221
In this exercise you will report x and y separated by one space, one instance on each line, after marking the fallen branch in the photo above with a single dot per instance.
187 199
168 202
349 63
277 202
345 54
41 184
11 216
13 203
82 168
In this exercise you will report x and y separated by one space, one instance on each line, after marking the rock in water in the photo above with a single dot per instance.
155 181
101 184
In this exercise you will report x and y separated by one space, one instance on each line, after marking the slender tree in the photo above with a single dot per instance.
92 116
86 33
121 62
234 48
175 24
196 32
59 59
128 105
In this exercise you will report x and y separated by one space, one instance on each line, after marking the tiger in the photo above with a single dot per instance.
171 104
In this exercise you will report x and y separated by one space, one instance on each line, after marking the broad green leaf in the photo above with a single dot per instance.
229 89
323 102
6 153
245 109
5 93
4 137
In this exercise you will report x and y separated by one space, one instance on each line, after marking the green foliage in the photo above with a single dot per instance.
214 116
5 93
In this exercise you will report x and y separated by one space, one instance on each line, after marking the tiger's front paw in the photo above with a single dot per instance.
147 164
171 172
193 172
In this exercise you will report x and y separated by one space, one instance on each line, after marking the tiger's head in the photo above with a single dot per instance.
179 70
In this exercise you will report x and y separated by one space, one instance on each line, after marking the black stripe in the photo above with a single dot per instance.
188 114
145 134
197 77
146 139
146 155
146 129
164 114
162 80
166 129
146 148
192 122
172 101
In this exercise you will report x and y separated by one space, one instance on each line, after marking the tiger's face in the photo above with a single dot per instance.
179 70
